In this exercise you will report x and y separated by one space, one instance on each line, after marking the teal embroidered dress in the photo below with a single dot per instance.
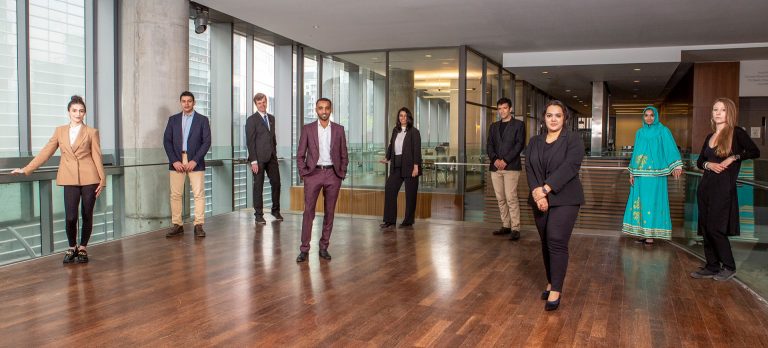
655 156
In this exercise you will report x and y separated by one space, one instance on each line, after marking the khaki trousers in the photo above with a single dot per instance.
197 181
505 187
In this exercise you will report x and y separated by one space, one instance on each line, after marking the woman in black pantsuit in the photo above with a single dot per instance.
720 158
404 158
552 163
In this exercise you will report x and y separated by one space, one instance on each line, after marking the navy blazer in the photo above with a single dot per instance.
508 149
560 171
198 142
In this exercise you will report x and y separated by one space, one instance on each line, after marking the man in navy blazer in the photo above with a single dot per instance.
187 139
322 162
506 139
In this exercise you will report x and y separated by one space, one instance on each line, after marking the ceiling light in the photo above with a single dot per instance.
636 69
316 26
567 90
637 81
428 55
575 96
545 72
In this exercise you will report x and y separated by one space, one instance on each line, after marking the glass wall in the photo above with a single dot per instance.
240 103
9 106
200 86
56 63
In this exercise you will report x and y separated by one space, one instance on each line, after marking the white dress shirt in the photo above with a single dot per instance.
73 132
399 142
324 140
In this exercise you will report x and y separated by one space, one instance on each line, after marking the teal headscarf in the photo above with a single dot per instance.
655 152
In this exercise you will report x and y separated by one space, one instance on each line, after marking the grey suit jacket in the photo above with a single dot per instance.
261 141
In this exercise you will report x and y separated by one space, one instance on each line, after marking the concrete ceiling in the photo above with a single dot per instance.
495 27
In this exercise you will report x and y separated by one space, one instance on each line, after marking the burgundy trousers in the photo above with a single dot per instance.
327 181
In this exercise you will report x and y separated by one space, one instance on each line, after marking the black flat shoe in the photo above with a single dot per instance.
302 257
405 225
545 295
324 254
387 225
69 256
552 305
82 256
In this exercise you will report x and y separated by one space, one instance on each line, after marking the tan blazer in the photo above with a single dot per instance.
80 163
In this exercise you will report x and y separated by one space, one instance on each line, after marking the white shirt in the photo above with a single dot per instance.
73 132
399 142
324 140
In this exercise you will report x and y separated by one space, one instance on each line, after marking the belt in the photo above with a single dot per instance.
324 167
183 152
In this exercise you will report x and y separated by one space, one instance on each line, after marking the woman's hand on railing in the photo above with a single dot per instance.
631 179
677 172
384 161
17 171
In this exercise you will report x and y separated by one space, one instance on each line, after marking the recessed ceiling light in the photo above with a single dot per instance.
428 55
575 96
316 26
375 58
445 63
567 90
545 72
637 81
636 69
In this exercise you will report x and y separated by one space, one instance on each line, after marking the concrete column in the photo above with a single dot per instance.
154 70
400 93
599 117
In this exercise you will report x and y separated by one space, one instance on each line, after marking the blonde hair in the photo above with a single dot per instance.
725 139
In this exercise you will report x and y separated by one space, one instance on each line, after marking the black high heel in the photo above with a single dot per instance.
545 295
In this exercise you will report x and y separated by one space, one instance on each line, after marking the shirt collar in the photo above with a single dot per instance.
190 115
320 126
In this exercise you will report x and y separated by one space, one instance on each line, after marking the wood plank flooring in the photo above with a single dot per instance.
439 284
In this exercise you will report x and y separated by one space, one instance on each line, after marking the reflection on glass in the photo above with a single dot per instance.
9 120
491 84
56 63
240 102
19 222
474 78
200 86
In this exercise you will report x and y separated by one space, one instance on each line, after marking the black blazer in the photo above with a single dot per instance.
510 148
560 171
198 140
261 141
411 151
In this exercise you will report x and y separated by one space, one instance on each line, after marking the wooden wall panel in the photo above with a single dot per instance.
443 206
711 81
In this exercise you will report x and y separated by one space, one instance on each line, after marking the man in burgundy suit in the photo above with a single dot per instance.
322 163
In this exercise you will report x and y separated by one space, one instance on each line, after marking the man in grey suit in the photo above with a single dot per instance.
506 139
262 153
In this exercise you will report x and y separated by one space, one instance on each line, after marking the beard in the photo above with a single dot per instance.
323 117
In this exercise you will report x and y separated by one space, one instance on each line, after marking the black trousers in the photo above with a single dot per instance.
392 187
273 172
555 227
73 196
713 225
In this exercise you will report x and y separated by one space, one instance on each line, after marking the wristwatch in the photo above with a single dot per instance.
737 157
544 189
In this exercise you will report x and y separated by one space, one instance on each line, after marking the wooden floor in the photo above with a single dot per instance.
439 284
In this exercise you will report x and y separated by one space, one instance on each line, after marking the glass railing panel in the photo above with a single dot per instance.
20 230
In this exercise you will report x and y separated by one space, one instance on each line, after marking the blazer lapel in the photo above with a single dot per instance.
79 139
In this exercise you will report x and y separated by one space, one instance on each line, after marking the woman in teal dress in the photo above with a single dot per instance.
654 157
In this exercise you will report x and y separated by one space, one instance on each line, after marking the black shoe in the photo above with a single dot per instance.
176 230
405 225
277 216
199 232
503 230
324 254
82 256
302 257
552 305
515 235
703 273
387 225
69 256
260 220
545 295
644 241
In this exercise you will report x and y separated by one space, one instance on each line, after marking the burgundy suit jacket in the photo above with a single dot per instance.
309 149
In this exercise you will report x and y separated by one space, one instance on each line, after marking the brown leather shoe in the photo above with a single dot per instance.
199 232
176 230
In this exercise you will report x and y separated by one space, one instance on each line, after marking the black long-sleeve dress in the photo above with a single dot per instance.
718 202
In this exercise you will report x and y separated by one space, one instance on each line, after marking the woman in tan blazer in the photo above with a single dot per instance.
81 172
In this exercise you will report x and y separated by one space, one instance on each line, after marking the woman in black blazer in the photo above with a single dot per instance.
552 163
720 158
404 158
